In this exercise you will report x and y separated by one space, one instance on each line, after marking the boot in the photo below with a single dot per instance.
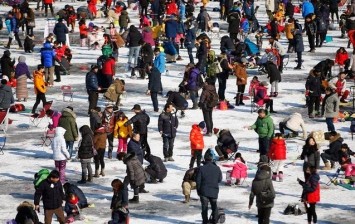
276 94
327 166
83 180
170 159
182 114
135 199
274 176
187 199
271 94
102 173
96 173
237 99
281 176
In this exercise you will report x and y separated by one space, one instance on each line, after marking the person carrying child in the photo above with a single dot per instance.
277 154
122 132
60 152
119 203
196 142
239 170
71 208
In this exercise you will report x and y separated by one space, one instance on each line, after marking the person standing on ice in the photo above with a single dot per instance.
68 122
60 152
154 85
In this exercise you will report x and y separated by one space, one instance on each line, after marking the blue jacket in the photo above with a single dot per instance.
159 62
47 55
207 180
307 8
298 41
171 26
248 9
169 48
182 10
190 37
193 79
91 81
11 25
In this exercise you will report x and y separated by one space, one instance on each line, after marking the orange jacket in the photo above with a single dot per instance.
196 138
38 81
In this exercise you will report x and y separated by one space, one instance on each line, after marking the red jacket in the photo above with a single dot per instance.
108 67
340 58
196 138
314 196
48 1
83 30
60 52
277 149
261 95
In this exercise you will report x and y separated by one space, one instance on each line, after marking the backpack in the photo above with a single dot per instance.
213 66
213 99
221 216
266 196
40 176
352 125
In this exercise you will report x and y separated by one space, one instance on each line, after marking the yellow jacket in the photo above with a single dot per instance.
289 27
121 131
38 81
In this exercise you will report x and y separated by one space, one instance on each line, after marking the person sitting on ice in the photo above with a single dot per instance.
73 189
225 143
72 209
262 98
292 124
345 160
239 170
338 84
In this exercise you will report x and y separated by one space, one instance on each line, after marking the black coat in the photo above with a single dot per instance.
311 27
261 182
73 189
334 147
134 37
272 72
157 166
147 53
154 84
201 53
290 9
25 213
60 30
325 68
207 180
85 149
233 20
313 84
167 124
7 65
226 140
311 156
52 197
140 122
136 148
177 100
227 44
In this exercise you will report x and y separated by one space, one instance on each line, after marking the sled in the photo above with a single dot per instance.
348 186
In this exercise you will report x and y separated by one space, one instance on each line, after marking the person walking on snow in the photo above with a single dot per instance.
60 152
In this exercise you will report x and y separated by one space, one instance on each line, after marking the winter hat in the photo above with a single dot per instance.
22 59
202 124
74 200
264 83
215 131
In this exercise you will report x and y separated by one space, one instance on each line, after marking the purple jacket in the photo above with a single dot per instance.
148 36
55 119
22 69
192 83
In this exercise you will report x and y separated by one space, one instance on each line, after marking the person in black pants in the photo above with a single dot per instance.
223 76
205 101
311 31
39 86
313 91
92 87
154 85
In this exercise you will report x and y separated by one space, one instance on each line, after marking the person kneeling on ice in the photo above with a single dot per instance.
119 203
239 171
338 84
73 189
261 97
225 143
292 123
72 208
277 154
178 101
156 169
189 183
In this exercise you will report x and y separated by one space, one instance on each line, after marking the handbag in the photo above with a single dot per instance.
31 24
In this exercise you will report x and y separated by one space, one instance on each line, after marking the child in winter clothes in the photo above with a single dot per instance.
239 171
85 153
83 30
345 160
119 203
71 208
196 142
122 132
254 84
277 153
342 59
100 138
60 152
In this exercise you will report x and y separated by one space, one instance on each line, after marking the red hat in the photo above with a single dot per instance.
74 200
215 130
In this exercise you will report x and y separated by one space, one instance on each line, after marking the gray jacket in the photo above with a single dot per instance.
6 97
330 106
261 182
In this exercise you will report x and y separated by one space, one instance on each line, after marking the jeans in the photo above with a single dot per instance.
154 97
39 97
144 143
264 215
60 166
70 146
326 157
99 159
207 117
264 145
86 168
313 100
93 98
17 38
320 37
194 96
311 213
189 51
330 124
222 84
197 154
204 213
168 146
133 51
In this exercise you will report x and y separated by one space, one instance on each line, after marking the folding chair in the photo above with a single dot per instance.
48 137
67 92
333 178
4 120
37 118
253 105
231 154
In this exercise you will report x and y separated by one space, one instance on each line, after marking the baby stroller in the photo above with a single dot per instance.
262 61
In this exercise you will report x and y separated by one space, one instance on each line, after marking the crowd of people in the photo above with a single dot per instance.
169 27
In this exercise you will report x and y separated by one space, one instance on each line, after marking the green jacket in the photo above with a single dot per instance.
264 126
68 122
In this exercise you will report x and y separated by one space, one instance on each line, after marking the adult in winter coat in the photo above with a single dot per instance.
134 146
108 71
68 122
26 213
52 195
73 189
60 31
225 142
311 31
47 59
282 52
240 71
39 87
144 7
99 141
147 35
289 29
154 85
60 152
233 20
159 60
201 55
147 55
167 125
313 91
310 155
140 123
330 156
227 45
207 100
311 193
190 38
307 8
298 47
156 168
264 127
85 153
48 3
322 29
325 68
6 96
108 122
262 183
292 124
123 21
135 175
223 75
207 184
189 183
202 20
191 83
92 87
196 143
330 108
289 9
119 202
115 90
171 26
7 65
133 40
22 73
13 29
274 76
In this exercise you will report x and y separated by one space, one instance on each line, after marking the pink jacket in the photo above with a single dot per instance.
240 170
55 119
350 170
147 35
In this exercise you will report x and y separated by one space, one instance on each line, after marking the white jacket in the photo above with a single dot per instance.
59 147
294 121
279 47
